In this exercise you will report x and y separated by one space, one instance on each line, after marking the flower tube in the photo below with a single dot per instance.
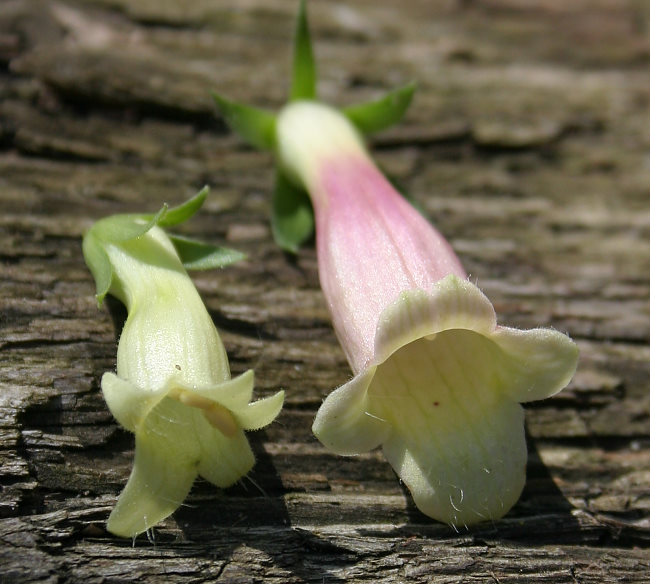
437 383
173 387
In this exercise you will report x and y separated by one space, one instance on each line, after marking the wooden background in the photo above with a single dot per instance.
528 145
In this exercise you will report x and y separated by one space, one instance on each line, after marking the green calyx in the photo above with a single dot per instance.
377 115
303 82
292 218
116 229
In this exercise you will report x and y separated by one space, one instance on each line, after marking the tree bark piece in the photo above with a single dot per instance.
527 145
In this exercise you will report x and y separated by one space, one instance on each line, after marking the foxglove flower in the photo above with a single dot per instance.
437 383
173 387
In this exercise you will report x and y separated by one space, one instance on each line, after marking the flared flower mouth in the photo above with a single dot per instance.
182 432
442 399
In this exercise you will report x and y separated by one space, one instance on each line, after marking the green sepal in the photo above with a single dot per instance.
197 255
255 125
303 81
292 216
126 226
100 266
382 113
183 212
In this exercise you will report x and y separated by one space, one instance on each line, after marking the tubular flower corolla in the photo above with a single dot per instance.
437 383
173 387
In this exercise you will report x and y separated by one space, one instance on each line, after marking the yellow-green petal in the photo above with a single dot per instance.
260 413
163 472
233 394
128 404
223 460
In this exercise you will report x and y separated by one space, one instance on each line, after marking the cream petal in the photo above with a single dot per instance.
344 422
452 303
538 363
466 475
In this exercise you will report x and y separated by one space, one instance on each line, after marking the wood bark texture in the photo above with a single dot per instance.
528 145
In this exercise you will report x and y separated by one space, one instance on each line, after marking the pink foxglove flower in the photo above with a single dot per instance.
437 383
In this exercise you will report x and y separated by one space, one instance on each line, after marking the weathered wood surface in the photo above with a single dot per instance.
528 145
